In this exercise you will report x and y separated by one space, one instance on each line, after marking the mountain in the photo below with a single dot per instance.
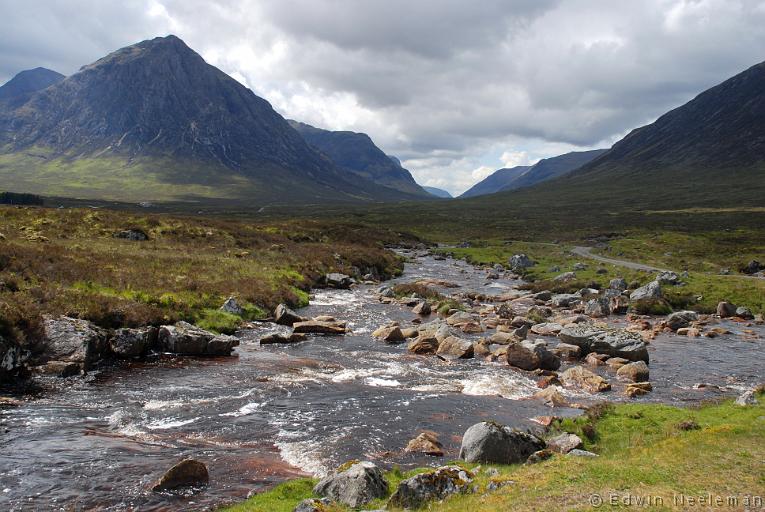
554 167
154 121
358 154
496 181
18 89
438 192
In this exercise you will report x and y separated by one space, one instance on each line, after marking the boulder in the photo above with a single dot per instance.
547 329
277 338
130 343
460 318
333 328
313 505
747 398
285 316
540 456
744 313
598 308
613 342
564 443
649 292
422 309
455 348
427 443
616 362
187 473
389 334
134 235
492 443
186 339
355 486
70 340
726 309
579 266
583 378
618 284
567 351
565 277
752 267
423 344
635 372
418 490
12 359
551 397
337 280
520 262
505 310
681 319
232 306
531 355
668 277
638 389
566 300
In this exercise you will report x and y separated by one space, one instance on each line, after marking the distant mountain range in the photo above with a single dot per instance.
496 181
20 88
356 153
528 176
154 121
438 192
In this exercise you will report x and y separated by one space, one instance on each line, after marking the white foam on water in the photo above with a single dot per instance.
335 298
380 382
168 423
244 410
507 386
304 455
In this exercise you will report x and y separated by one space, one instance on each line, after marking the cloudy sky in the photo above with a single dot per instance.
456 89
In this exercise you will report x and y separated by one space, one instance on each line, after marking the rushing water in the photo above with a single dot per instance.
276 412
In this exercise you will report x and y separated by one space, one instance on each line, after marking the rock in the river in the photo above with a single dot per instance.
726 309
460 318
744 313
11 359
276 338
551 397
490 442
635 372
416 491
389 334
427 443
355 486
423 344
638 389
681 319
564 443
339 281
614 342
583 378
423 308
598 308
129 343
187 473
567 351
285 316
70 340
186 339
531 355
232 306
520 262
320 327
455 348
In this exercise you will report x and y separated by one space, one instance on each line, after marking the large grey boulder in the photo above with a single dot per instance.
489 442
339 281
416 491
532 355
355 486
186 339
613 342
130 343
11 359
520 262
681 319
649 292
70 340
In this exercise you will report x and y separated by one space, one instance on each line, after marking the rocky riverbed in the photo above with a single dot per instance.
276 411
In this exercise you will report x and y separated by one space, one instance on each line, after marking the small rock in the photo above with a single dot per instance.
547 329
128 343
747 398
565 277
539 456
232 306
283 315
135 235
455 348
427 443
339 281
520 262
187 473
744 313
581 453
581 377
320 327
618 284
681 319
564 443
313 505
635 372
416 491
390 334
638 389
726 309
423 344
422 309
551 397
531 355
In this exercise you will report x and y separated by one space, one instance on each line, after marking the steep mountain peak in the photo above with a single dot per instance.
151 51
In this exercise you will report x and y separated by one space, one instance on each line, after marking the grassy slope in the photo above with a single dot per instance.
68 262
642 452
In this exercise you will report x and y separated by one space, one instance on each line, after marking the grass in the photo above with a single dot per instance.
67 261
646 452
